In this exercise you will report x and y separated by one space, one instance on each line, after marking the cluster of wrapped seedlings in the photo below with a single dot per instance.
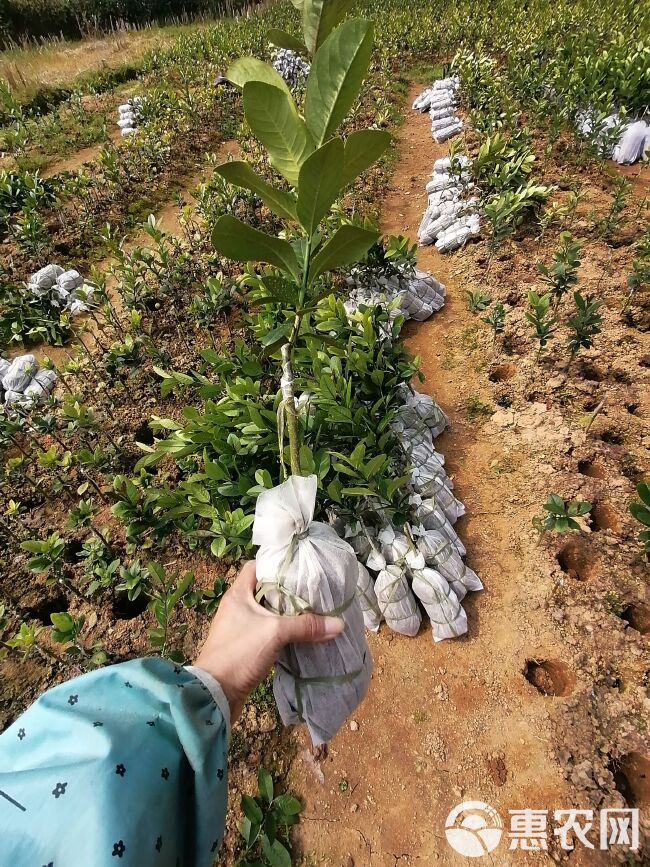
625 141
291 66
423 561
128 115
419 295
23 383
63 289
451 218
440 101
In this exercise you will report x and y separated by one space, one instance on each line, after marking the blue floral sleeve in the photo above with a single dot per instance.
122 766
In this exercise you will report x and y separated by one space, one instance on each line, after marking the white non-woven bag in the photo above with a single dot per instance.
303 565
368 600
20 373
396 601
448 619
443 556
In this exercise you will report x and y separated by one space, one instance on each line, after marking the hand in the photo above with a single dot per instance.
245 639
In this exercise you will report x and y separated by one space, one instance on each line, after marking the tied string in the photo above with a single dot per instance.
300 606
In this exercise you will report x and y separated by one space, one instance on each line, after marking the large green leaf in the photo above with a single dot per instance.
242 243
251 69
274 120
319 184
335 77
320 17
285 40
346 246
240 173
362 149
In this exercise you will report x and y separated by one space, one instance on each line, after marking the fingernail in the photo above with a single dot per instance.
333 626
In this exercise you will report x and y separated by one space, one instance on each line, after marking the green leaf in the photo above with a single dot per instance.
283 290
247 69
265 784
288 805
643 490
278 855
238 241
320 17
641 513
362 149
319 183
349 244
251 809
285 40
335 77
239 173
274 120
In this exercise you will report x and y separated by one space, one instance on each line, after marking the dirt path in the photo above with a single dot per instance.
458 720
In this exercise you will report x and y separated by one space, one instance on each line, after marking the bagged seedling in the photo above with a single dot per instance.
432 517
46 277
368 600
438 552
4 367
444 165
126 121
45 378
631 144
448 619
128 130
359 538
302 565
396 601
20 373
442 135
69 281
13 397
418 409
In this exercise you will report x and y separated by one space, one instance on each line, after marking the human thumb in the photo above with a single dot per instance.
310 629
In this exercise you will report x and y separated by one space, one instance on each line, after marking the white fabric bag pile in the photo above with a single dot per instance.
625 141
440 101
450 218
63 289
128 115
291 66
303 565
23 383
419 293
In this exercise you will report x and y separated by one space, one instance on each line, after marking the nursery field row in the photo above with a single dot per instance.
132 466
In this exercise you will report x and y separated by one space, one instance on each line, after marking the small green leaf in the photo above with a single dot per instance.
265 784
288 805
251 809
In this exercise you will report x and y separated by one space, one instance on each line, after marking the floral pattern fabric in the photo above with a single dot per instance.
123 766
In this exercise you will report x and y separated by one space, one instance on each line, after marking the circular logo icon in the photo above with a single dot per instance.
473 829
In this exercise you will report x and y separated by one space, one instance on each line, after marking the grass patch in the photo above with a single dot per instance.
476 410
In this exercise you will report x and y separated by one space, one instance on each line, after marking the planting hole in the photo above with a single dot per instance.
574 561
591 372
637 616
589 404
604 517
125 609
43 610
632 407
612 437
72 550
592 469
632 779
549 676
144 434
502 373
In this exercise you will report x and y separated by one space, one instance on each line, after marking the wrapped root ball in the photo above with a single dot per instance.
303 565
20 373
396 601
448 619
368 600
